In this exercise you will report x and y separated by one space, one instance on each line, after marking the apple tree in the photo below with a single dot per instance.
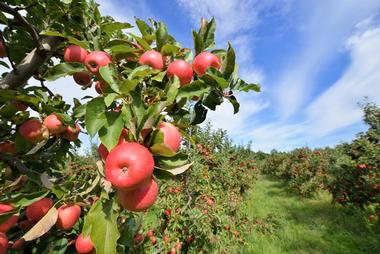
151 90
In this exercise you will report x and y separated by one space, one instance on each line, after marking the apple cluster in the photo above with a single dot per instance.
68 215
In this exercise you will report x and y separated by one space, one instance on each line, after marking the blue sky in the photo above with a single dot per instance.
315 61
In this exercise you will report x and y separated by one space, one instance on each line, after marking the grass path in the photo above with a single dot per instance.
286 223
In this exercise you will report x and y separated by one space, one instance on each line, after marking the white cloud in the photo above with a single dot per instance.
327 26
337 107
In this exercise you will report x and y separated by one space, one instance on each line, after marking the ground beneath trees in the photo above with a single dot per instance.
286 223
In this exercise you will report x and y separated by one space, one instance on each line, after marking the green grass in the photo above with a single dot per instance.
283 222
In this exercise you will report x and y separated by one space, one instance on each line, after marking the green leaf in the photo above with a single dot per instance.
110 98
53 33
198 43
159 77
111 27
137 107
109 134
199 114
80 111
195 88
142 72
234 103
122 49
109 74
172 89
3 18
101 223
214 80
60 246
162 150
161 35
62 70
253 87
141 41
144 28
126 86
212 100
208 33
228 65
169 50
83 44
179 170
95 115
23 199
172 162
4 63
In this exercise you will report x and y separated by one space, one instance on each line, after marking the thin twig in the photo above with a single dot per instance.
14 162
7 51
18 17
45 87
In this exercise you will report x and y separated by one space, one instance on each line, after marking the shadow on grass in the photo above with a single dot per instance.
313 225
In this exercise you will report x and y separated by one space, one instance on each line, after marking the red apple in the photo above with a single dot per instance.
25 225
210 202
100 86
31 130
172 137
54 124
3 243
96 59
72 134
68 215
203 61
128 165
173 251
84 245
74 53
10 222
153 240
18 244
168 212
82 78
19 105
182 70
150 233
152 58
140 198
8 147
138 238
38 209
3 52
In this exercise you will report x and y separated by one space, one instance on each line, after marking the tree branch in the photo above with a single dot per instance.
31 63
19 18
14 162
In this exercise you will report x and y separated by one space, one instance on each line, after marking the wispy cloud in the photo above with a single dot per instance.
323 34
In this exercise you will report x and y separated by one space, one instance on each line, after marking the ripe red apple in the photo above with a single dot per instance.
182 70
54 124
128 165
173 251
84 245
8 147
140 198
210 202
38 209
68 215
102 149
153 240
96 59
74 53
152 58
205 60
138 238
10 222
150 233
31 130
19 105
168 212
25 225
3 243
166 239
18 244
72 134
82 78
172 137
100 86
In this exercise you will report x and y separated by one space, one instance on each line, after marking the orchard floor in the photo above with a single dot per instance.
286 223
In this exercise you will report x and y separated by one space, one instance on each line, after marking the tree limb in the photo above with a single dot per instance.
7 50
14 162
31 63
